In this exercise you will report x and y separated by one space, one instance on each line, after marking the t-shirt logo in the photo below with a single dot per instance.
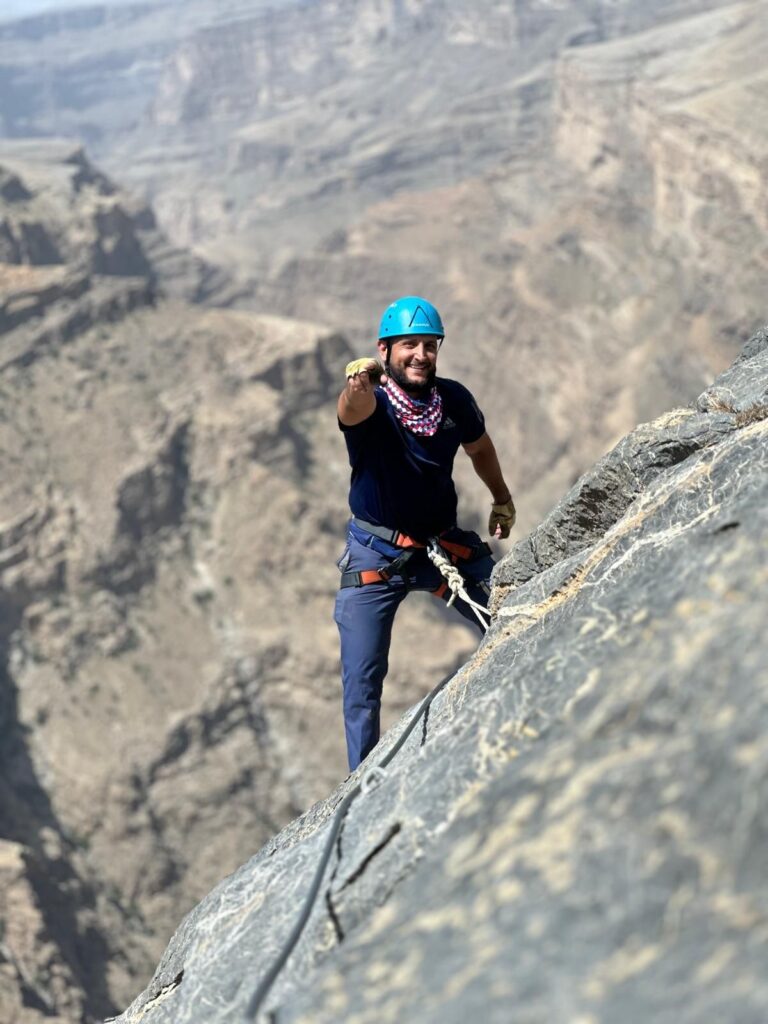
448 424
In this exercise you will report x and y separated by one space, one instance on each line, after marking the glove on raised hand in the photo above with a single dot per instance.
373 368
502 517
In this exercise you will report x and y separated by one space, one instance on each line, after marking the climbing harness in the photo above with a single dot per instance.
371 780
458 553
351 578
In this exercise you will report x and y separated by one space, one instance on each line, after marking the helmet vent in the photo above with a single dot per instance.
420 318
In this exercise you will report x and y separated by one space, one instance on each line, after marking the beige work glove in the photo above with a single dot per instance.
502 519
372 367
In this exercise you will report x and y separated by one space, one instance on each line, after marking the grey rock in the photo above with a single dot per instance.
12 189
44 324
153 497
743 387
309 177
57 208
603 494
756 344
620 284
26 301
578 830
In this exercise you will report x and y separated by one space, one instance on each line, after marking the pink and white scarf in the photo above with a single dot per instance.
418 417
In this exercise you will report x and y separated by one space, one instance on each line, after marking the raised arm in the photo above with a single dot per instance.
357 401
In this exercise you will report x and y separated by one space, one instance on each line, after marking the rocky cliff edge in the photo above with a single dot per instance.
577 831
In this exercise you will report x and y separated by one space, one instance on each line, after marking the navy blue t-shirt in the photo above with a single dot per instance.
403 480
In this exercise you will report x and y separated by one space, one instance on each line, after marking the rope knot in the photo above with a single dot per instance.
455 581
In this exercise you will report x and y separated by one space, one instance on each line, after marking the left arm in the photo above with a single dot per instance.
485 463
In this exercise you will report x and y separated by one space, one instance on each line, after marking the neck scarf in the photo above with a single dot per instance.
418 417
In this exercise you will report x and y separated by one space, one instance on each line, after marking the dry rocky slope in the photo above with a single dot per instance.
172 499
578 832
580 187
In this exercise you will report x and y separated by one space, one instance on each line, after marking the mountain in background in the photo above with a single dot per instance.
581 190
577 187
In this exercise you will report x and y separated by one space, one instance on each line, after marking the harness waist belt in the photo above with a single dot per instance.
400 540
458 552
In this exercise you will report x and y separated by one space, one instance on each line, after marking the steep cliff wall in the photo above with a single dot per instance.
671 114
576 831
172 500
90 71
67 232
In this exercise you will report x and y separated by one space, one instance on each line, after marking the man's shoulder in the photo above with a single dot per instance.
453 389
461 409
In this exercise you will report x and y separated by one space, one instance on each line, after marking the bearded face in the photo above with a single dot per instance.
412 363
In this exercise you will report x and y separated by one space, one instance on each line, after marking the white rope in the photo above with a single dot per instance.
455 581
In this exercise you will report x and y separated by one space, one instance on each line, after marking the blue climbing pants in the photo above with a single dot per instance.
364 616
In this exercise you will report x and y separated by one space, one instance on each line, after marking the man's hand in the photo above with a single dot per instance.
362 374
357 401
502 519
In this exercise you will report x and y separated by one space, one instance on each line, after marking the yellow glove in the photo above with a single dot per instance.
373 368
502 519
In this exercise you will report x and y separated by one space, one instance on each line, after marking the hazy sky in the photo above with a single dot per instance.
12 8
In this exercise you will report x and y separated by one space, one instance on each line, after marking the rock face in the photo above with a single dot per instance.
67 232
578 830
103 63
172 499
578 186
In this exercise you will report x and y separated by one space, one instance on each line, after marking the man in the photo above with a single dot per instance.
403 426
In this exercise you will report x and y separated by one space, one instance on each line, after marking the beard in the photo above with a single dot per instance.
418 391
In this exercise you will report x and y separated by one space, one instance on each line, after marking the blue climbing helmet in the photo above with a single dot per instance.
410 315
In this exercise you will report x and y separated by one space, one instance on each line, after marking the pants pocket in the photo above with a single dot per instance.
343 563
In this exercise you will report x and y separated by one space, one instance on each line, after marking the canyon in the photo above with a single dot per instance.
204 208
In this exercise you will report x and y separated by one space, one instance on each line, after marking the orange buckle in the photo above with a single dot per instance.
460 550
402 540
374 576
